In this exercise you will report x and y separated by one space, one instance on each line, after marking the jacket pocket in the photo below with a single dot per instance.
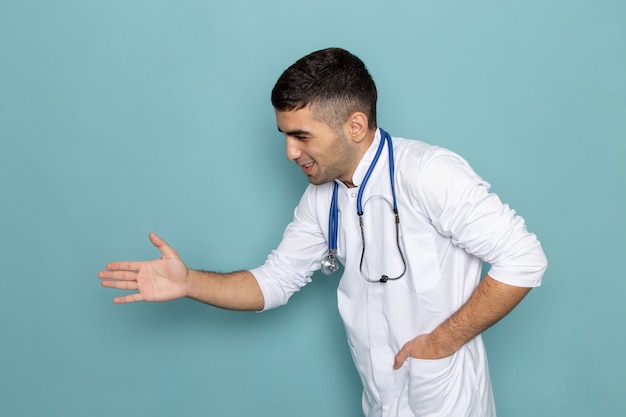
422 263
444 387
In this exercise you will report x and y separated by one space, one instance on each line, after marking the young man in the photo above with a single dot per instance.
411 223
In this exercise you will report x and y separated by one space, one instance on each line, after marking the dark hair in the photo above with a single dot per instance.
333 80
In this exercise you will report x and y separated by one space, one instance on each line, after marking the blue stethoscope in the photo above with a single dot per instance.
330 263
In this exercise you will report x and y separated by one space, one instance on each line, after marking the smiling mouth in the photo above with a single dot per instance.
306 168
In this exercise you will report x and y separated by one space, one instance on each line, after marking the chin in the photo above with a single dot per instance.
318 181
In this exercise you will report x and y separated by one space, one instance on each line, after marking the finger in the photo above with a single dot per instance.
124 266
130 298
118 275
166 250
120 285
401 357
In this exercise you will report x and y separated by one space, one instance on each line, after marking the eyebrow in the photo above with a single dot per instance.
296 132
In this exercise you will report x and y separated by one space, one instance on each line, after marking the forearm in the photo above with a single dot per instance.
490 301
233 291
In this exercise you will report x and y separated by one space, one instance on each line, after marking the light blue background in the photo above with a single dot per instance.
119 118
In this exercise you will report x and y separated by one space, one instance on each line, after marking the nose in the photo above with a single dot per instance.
292 149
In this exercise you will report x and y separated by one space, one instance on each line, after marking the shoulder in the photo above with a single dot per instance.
416 158
434 176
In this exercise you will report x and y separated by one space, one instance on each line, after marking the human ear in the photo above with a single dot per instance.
357 127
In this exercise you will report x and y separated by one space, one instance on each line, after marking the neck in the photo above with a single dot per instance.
360 150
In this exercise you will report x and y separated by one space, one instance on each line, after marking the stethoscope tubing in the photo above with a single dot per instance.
329 262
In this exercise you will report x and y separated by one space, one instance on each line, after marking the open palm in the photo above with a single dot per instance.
163 279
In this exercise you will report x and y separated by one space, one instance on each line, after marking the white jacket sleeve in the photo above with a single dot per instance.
460 206
290 266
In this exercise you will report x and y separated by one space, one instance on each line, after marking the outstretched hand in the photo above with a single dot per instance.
161 279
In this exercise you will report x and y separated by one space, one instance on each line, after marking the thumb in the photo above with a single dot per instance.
166 250
402 356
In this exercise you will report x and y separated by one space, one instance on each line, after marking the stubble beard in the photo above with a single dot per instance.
337 165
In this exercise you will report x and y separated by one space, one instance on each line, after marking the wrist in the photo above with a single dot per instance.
192 290
443 343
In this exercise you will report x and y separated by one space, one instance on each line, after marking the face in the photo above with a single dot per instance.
323 153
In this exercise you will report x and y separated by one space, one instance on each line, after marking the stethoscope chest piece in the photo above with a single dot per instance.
330 264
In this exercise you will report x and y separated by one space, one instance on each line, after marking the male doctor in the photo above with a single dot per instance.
411 223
